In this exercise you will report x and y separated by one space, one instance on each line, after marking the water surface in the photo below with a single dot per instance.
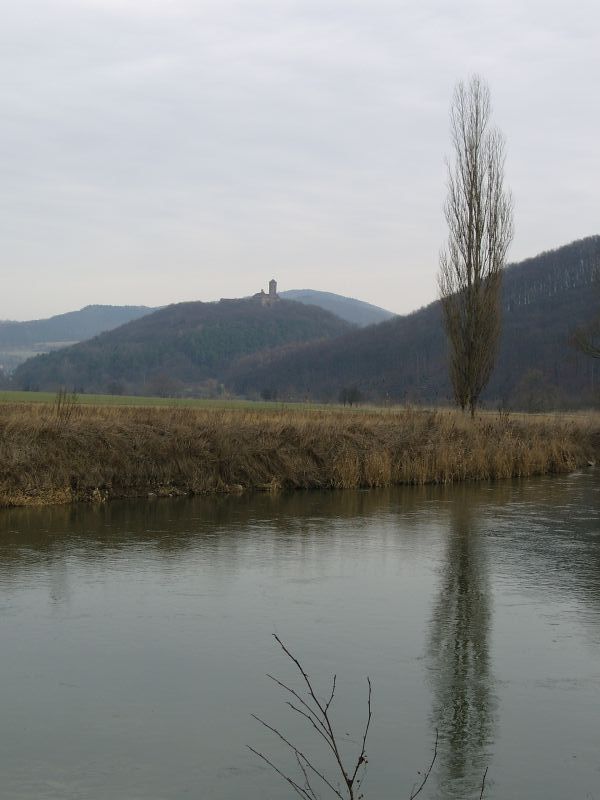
136 636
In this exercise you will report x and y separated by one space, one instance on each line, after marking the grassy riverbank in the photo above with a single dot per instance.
53 454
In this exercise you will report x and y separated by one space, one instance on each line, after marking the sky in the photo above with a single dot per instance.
155 151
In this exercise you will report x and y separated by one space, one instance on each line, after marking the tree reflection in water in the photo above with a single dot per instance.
459 659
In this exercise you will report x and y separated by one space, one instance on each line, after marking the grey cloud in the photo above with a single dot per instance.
160 151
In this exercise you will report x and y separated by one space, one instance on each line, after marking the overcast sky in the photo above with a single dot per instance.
154 151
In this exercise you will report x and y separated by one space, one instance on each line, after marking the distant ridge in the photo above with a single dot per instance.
355 311
73 325
21 340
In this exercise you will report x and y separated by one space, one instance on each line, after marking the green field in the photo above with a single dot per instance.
134 401
142 402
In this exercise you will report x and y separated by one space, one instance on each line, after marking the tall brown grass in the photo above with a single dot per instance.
102 452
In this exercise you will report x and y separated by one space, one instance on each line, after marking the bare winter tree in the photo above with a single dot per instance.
478 211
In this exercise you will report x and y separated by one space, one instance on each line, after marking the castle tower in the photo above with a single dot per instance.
273 288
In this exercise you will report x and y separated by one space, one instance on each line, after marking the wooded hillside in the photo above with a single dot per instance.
544 299
178 347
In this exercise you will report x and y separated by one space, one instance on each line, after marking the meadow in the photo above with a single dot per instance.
67 450
9 397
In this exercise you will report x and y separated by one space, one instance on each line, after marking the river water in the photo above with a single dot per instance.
136 637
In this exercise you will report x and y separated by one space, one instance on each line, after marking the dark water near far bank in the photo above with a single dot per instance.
136 636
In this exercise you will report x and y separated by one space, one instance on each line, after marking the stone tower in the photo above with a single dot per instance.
273 288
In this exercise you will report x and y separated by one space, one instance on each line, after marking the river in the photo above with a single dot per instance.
136 638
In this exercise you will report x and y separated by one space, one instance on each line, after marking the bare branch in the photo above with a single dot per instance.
483 784
297 753
317 713
419 789
326 722
362 758
276 732
295 694
306 778
328 703
298 789
320 775
324 736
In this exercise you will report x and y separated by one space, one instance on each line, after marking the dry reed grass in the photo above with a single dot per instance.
95 453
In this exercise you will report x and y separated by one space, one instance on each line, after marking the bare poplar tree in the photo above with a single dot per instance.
478 211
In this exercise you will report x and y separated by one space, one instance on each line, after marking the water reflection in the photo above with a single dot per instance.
459 657
516 518
220 526
150 618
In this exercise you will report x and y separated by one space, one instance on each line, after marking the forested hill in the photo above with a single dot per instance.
355 311
544 299
180 346
574 266
22 340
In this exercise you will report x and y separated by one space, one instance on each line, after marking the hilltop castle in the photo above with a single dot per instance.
267 299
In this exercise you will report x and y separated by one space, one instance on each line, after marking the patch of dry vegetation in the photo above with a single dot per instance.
54 455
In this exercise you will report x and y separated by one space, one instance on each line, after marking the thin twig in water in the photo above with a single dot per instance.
317 713
298 789
419 789
297 752
483 784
